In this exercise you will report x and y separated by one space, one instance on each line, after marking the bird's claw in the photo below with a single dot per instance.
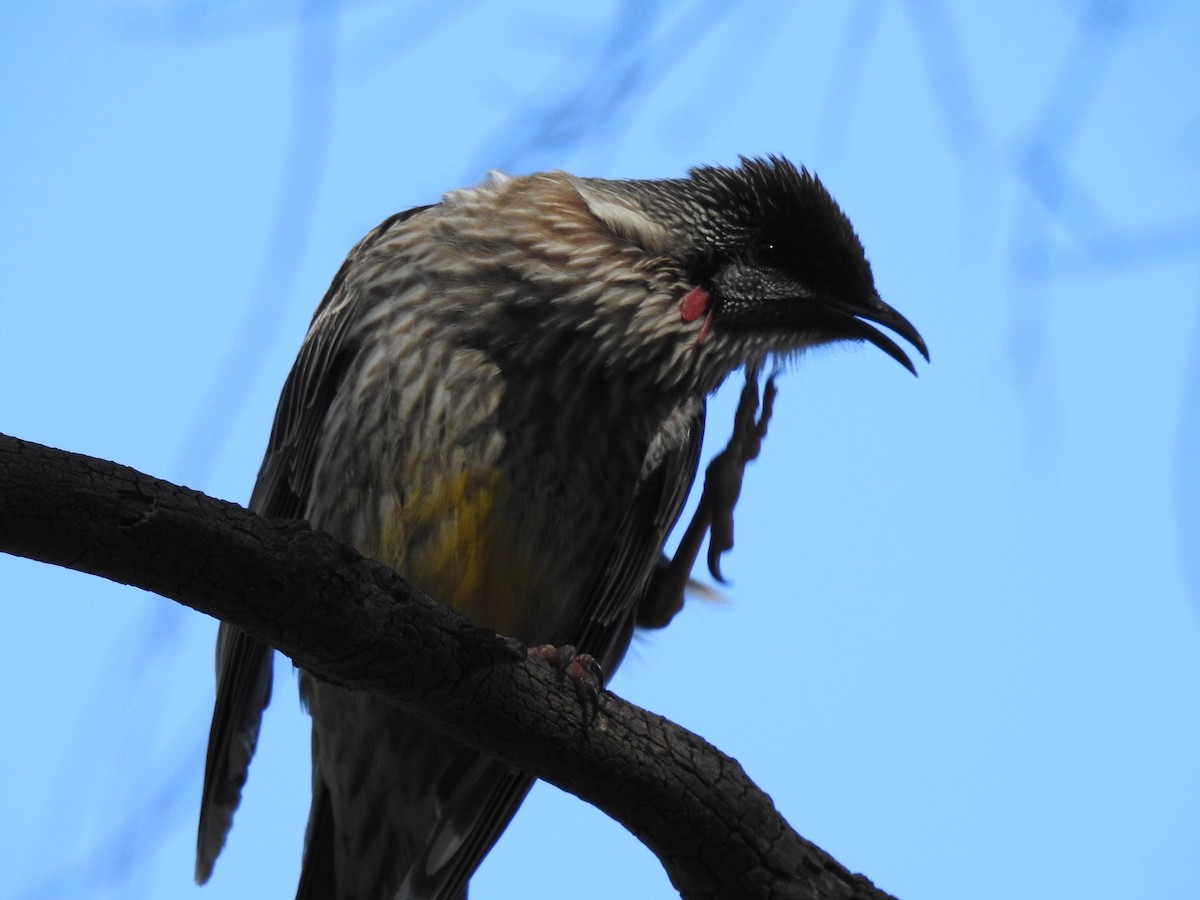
722 485
582 669
723 477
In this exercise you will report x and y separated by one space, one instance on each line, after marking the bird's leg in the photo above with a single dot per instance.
583 670
723 478
722 486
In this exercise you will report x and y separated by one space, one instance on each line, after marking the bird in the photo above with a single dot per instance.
502 396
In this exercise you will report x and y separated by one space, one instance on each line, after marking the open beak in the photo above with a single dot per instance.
852 321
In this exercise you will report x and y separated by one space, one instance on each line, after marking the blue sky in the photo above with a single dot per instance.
961 645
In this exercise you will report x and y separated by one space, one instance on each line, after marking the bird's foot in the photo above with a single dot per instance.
723 478
582 669
722 486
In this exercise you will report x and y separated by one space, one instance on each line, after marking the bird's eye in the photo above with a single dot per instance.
767 253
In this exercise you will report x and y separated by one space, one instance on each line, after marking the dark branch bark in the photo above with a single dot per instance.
357 623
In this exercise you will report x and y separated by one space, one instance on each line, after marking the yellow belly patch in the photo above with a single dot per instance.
454 542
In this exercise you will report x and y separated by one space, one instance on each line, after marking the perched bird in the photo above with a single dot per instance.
502 396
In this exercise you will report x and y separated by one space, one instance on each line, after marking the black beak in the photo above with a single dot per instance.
851 321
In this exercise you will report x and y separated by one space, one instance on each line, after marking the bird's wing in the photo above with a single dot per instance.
483 797
638 546
281 492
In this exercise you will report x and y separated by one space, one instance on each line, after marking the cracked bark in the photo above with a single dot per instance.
357 623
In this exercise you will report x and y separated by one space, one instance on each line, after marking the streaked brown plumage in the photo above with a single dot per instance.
502 396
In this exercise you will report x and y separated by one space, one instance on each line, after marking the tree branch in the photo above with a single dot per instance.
356 623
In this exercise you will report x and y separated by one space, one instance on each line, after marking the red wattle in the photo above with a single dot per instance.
694 304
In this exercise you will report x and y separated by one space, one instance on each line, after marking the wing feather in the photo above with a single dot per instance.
281 491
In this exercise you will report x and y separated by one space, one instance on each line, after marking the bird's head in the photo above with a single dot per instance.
773 263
